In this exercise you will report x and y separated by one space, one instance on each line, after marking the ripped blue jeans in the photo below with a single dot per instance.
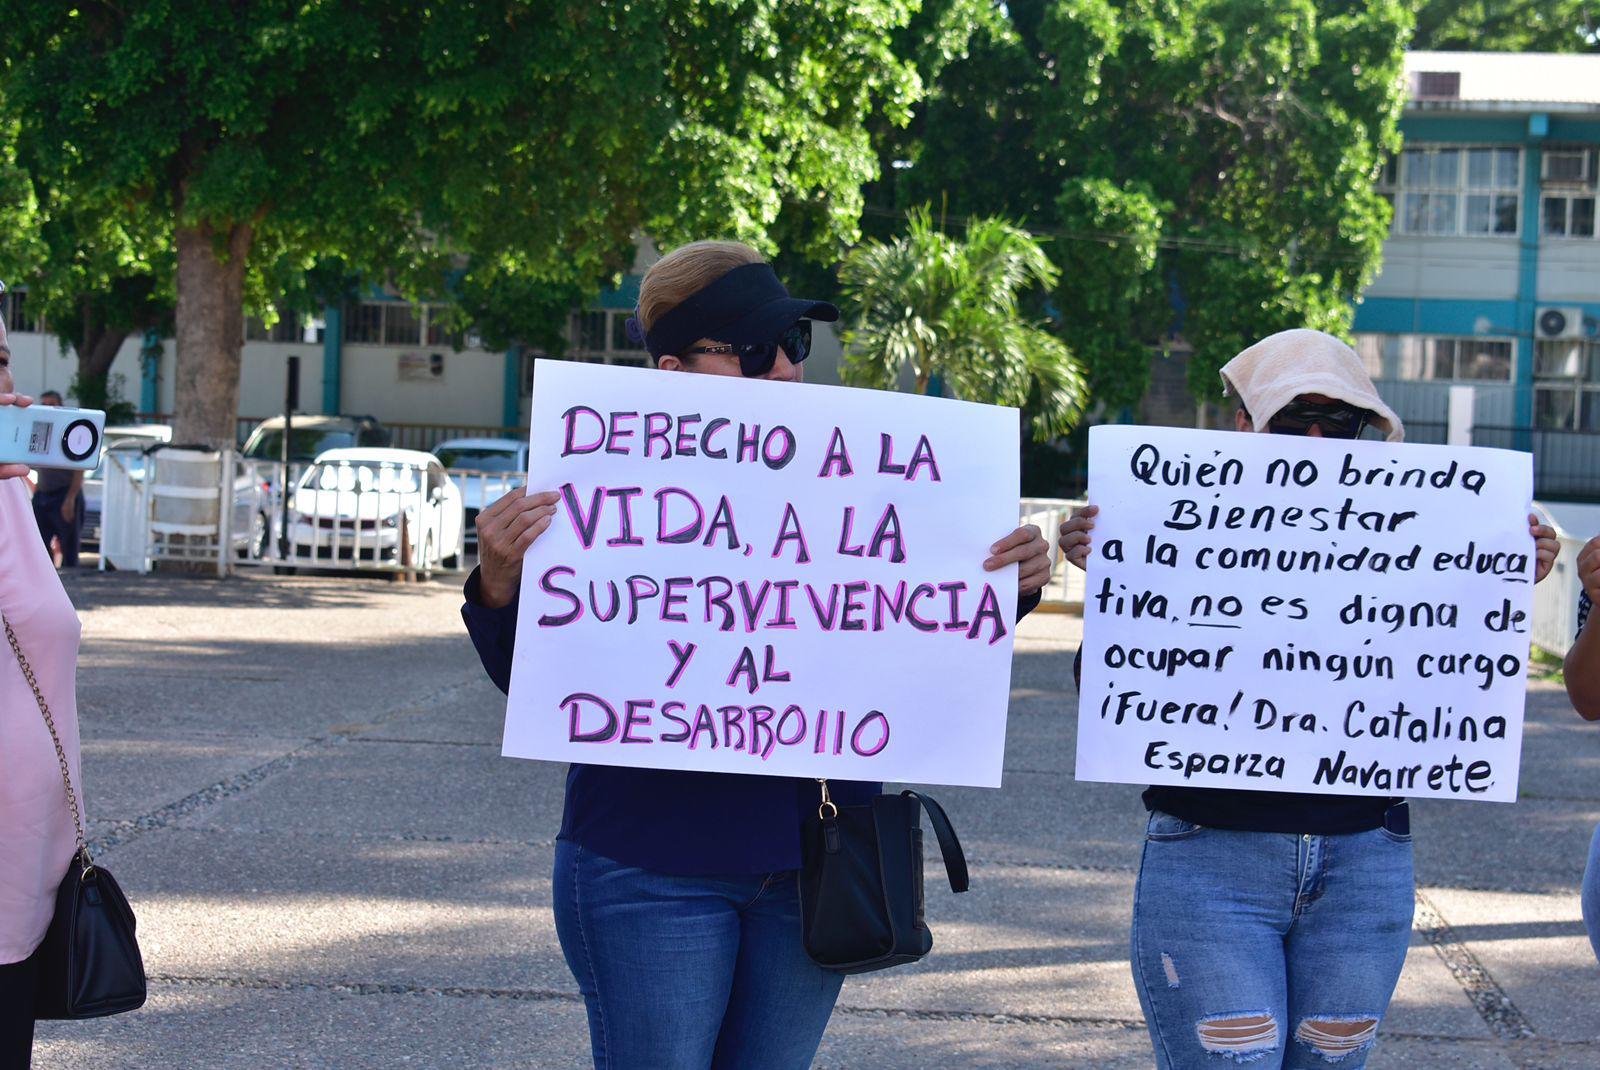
1270 950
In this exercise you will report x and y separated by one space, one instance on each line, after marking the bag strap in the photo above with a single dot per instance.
955 861
61 754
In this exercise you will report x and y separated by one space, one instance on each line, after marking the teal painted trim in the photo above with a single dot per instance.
1528 279
332 359
1439 316
1563 128
150 353
511 407
622 297
1478 129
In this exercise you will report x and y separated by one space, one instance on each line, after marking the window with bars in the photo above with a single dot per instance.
1451 190
363 323
1566 385
601 336
287 329
1425 358
402 325
18 317
395 323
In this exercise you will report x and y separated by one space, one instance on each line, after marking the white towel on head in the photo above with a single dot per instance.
1283 366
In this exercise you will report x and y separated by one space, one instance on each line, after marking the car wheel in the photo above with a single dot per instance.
261 536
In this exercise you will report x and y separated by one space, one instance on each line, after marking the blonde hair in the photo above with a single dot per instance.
685 271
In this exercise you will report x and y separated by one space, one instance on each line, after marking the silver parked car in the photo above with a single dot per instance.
486 469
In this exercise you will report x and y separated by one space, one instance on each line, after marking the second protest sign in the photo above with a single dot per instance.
769 578
1281 614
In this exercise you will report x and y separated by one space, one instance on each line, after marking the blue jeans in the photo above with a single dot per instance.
1591 894
1279 951
690 973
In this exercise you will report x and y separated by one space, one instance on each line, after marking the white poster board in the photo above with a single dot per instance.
760 577
1292 614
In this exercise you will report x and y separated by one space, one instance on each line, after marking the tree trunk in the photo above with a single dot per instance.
97 348
210 333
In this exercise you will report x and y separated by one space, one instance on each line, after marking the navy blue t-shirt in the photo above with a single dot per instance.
670 821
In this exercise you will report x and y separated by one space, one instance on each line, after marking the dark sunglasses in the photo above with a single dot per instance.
1336 419
757 358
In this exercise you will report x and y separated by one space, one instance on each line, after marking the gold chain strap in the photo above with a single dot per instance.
61 754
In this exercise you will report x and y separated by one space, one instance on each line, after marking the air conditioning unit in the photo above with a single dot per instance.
1556 322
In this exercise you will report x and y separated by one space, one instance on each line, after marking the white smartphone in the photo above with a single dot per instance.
43 436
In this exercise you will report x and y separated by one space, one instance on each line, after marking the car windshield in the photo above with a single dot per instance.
478 458
362 477
305 444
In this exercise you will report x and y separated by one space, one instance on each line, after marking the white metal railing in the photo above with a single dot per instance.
479 490
1065 589
344 514
1555 601
242 512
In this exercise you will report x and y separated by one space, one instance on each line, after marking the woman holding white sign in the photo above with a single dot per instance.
1272 927
675 893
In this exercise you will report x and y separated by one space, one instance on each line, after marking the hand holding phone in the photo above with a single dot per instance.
21 401
43 436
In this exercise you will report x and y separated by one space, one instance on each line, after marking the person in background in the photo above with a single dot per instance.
675 893
58 503
36 832
1270 928
1582 671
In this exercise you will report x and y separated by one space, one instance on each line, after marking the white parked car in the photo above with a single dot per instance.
363 503
486 469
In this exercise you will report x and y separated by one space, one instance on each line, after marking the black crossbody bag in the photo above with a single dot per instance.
861 894
89 962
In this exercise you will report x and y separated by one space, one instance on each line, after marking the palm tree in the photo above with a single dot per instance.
941 306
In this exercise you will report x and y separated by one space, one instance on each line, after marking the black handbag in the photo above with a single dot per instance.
89 962
861 896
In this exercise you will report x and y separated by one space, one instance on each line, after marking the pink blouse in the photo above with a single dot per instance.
36 834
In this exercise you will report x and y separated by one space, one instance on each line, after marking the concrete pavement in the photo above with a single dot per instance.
298 783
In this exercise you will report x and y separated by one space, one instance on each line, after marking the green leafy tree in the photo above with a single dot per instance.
493 151
94 274
1205 167
1508 26
930 304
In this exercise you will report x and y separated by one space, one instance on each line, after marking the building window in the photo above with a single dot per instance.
402 326
396 323
289 328
601 336
1569 216
1566 385
1424 358
438 327
1569 187
1455 190
363 323
18 317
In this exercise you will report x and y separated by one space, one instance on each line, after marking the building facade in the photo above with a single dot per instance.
379 356
1491 274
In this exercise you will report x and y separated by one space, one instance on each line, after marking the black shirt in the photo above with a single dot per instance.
1264 811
